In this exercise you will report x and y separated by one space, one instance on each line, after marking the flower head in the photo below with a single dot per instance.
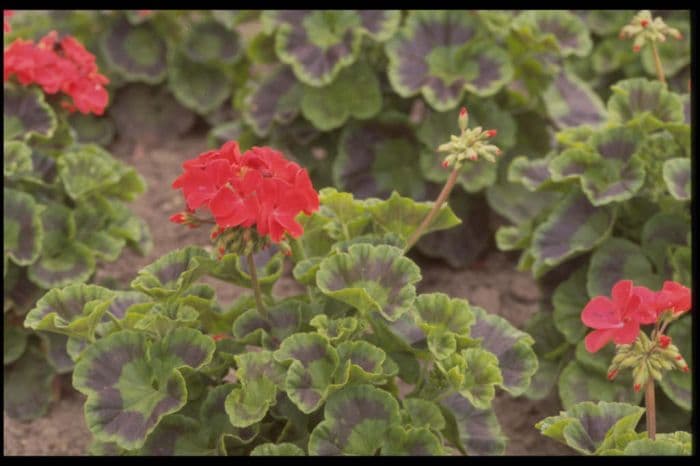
643 28
618 319
470 144
258 188
59 66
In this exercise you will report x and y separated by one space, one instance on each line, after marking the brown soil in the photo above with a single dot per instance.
493 284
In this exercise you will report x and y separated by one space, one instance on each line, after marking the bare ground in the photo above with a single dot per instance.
493 284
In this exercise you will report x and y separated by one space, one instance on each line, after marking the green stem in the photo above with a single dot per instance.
114 319
442 197
651 409
657 63
285 429
256 286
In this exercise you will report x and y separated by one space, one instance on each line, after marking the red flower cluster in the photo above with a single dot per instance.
259 187
619 319
56 66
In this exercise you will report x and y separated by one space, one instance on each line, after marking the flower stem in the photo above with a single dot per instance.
256 286
657 62
651 409
442 197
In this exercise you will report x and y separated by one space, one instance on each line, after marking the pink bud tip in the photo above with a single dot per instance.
463 112
644 23
498 152
491 133
636 48
178 218
612 374
664 341
637 387
445 164
219 336
685 369
680 36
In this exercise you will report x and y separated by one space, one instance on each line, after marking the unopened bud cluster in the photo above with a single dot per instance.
238 240
470 144
647 358
645 29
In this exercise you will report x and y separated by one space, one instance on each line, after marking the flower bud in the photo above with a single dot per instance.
664 341
636 48
612 374
445 163
463 119
637 387
491 133
644 23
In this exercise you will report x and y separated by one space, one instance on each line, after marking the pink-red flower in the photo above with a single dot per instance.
618 319
673 297
6 15
258 188
58 66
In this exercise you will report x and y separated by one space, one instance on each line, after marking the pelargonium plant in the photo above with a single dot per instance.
64 205
609 428
610 202
353 361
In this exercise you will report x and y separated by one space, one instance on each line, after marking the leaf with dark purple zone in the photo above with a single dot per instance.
570 101
423 413
445 322
568 300
149 113
260 376
234 268
660 233
318 44
517 203
26 113
215 420
131 382
211 42
402 216
565 30
92 129
678 385
275 99
552 352
619 259
340 216
14 342
310 373
646 103
354 93
578 383
27 386
412 442
366 361
283 319
513 348
356 422
177 435
370 278
573 227
461 245
74 310
137 52
277 449
173 273
56 352
472 431
23 233
337 330
533 174
17 160
200 87
676 174
589 427
377 157
87 169
440 54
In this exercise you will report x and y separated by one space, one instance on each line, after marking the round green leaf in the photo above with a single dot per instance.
619 259
201 88
26 113
371 278
275 99
22 231
27 386
212 42
676 174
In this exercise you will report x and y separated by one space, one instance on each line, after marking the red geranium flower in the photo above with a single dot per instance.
259 188
618 319
674 297
6 14
64 66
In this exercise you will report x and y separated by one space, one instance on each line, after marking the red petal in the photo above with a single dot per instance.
597 339
621 293
600 313
627 334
